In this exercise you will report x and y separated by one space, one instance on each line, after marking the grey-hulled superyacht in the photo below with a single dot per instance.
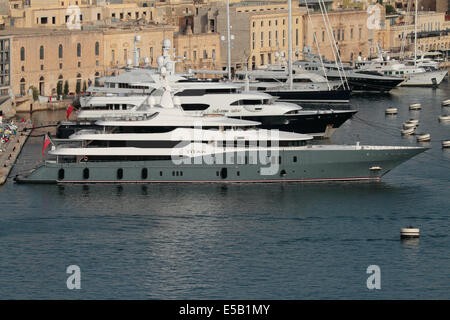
168 145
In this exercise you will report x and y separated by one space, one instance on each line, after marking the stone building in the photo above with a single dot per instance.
432 29
41 58
60 13
198 51
260 32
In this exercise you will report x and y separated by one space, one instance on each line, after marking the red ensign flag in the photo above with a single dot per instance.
69 111
46 143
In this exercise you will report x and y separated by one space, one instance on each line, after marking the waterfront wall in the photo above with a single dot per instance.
32 106
7 108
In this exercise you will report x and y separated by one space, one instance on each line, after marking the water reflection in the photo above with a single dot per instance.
61 190
144 190
85 191
119 190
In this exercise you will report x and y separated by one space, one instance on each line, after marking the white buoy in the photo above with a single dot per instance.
415 106
423 137
409 233
446 144
407 132
408 125
446 103
444 118
391 111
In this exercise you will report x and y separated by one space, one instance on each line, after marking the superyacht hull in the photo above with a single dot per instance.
361 82
424 79
317 124
304 164
372 85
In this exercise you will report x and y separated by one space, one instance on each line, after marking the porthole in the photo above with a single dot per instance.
119 173
144 173
85 173
61 174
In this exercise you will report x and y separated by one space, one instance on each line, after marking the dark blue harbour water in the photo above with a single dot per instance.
242 241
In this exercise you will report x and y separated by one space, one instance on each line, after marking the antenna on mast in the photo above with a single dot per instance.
228 41
289 43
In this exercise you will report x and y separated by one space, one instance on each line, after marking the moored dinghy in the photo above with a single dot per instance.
423 137
409 131
446 103
415 106
391 111
444 118
409 125
446 144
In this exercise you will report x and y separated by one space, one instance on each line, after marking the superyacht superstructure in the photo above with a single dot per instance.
219 98
413 75
358 80
129 93
306 86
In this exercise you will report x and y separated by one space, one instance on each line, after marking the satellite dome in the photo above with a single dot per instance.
160 61
176 101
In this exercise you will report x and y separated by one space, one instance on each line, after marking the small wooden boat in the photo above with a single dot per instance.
446 103
407 132
423 137
391 111
415 106
444 118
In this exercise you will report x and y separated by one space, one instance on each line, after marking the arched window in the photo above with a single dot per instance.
22 54
41 86
59 85
60 51
97 48
41 52
22 87
97 75
78 49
